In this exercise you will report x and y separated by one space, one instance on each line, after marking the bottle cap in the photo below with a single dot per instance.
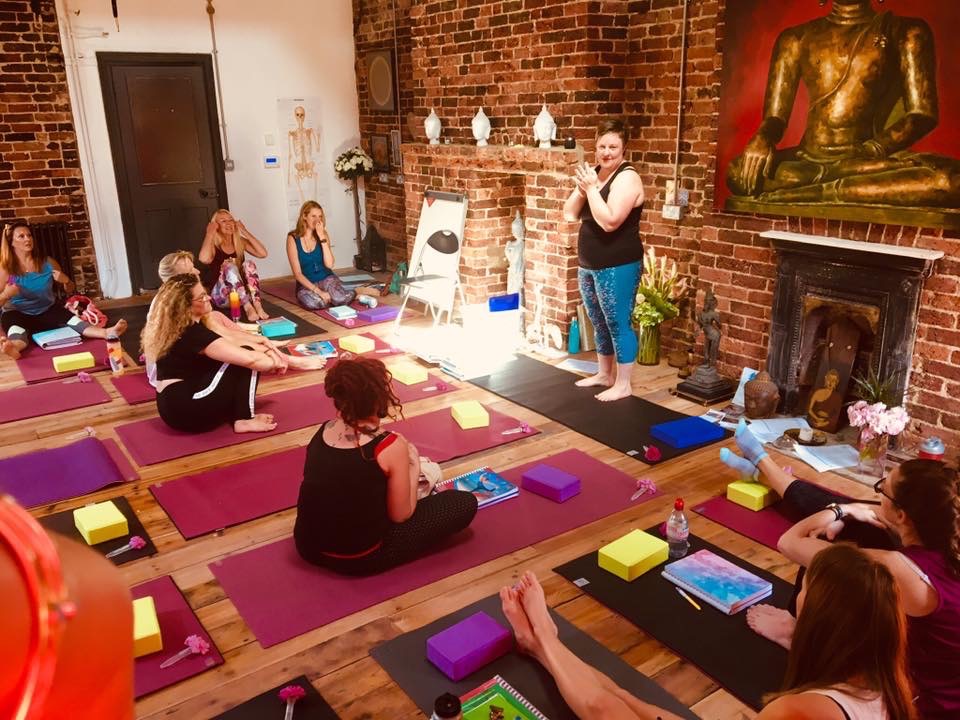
446 706
678 504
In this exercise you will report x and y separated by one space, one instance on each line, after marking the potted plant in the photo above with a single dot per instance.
879 416
351 165
657 300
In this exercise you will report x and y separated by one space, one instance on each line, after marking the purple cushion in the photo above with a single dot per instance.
467 646
551 482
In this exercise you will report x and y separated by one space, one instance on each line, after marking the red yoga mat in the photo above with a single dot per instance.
764 526
36 364
134 388
199 504
152 441
51 397
177 621
285 290
280 596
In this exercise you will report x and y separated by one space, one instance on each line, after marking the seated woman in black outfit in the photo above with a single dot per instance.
358 512
204 379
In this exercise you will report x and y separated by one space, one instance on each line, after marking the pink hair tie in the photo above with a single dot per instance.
195 645
290 694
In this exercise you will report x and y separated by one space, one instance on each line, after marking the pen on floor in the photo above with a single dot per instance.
688 598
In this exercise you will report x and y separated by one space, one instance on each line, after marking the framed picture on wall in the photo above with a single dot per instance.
395 157
380 152
380 84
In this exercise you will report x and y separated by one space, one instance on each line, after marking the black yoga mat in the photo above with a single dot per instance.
623 425
405 660
722 646
136 317
62 522
268 705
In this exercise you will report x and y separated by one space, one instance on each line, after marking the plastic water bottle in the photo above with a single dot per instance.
234 306
446 707
573 341
115 353
678 531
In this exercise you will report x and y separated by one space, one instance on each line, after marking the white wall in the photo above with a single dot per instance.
267 50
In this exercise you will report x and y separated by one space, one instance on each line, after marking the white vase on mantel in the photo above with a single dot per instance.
544 128
432 125
481 128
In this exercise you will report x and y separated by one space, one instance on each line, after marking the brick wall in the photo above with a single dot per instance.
39 167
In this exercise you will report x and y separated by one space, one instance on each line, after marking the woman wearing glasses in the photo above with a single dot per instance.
917 528
204 379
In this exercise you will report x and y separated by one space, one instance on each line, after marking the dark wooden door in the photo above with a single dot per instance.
164 137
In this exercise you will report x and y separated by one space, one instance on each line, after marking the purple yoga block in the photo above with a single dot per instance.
468 646
550 482
379 313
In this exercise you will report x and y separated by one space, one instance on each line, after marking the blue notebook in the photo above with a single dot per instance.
489 487
59 338
324 348
687 432
726 586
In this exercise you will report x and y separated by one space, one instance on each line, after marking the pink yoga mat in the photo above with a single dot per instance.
381 348
50 397
765 526
36 364
199 504
280 596
152 441
286 290
134 388
433 385
177 621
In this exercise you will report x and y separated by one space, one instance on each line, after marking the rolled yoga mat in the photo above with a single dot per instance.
48 398
226 496
623 425
404 659
47 476
63 523
36 364
177 621
311 706
152 441
722 646
276 592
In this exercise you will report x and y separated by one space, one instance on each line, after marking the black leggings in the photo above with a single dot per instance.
435 518
806 499
55 316
199 406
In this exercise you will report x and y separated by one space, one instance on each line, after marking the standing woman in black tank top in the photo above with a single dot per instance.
607 200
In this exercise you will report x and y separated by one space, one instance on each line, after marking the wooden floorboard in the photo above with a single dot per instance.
335 657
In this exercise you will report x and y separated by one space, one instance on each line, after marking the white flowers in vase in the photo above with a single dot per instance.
352 164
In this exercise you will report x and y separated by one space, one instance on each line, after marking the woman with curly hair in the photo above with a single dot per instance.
358 512
227 267
204 379
27 279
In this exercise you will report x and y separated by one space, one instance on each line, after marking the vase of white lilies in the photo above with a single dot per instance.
658 296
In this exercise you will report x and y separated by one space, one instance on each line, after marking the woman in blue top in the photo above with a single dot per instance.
27 294
311 260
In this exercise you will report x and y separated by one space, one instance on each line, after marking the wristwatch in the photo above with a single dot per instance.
837 510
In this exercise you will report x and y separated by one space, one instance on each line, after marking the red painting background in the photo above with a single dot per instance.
751 29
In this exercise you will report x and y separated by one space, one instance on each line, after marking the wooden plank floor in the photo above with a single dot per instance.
335 657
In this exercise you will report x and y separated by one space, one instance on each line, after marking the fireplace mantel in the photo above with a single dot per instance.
855 252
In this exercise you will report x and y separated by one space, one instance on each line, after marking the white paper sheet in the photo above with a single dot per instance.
772 428
746 375
828 457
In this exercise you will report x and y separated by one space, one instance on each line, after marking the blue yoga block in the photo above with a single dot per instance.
499 303
687 432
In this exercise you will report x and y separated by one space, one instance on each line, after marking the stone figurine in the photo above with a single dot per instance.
709 321
544 128
481 128
432 125
514 253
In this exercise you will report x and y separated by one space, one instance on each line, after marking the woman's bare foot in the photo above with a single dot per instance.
535 605
12 348
615 392
519 622
263 314
595 380
311 362
261 422
772 623
119 328
251 313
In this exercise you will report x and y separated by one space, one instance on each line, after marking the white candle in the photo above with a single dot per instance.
806 434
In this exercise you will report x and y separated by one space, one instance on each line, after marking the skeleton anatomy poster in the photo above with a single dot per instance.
302 153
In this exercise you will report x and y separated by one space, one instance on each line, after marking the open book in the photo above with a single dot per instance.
726 586
489 487
324 348
497 695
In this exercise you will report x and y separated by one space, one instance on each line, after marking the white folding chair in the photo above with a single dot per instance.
433 277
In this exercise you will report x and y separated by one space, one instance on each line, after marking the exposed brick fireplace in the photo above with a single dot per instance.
876 287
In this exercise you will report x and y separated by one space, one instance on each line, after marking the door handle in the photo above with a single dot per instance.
208 194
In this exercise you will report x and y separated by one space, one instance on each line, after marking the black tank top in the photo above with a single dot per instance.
342 506
209 274
597 248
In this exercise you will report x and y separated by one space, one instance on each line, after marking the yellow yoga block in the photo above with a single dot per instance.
146 628
753 496
470 414
356 344
408 373
74 361
632 555
100 522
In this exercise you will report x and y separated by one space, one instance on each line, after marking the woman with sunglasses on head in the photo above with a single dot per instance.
227 268
203 379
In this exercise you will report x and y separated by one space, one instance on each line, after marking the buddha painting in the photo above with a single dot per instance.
868 77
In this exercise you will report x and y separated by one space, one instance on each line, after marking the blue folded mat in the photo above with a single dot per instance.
687 432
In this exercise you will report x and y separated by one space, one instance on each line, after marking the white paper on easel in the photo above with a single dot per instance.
828 457
746 375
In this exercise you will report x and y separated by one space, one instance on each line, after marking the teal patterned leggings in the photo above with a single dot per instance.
608 296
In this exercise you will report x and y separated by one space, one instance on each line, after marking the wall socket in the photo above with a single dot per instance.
672 212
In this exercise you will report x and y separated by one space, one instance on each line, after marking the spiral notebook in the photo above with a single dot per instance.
496 695
726 586
489 487
58 338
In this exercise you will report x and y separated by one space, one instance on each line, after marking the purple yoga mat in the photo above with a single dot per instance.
765 526
46 398
280 596
51 475
438 437
177 621
199 504
152 441
36 364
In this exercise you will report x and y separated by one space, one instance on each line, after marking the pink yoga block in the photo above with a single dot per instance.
467 646
551 482
379 313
